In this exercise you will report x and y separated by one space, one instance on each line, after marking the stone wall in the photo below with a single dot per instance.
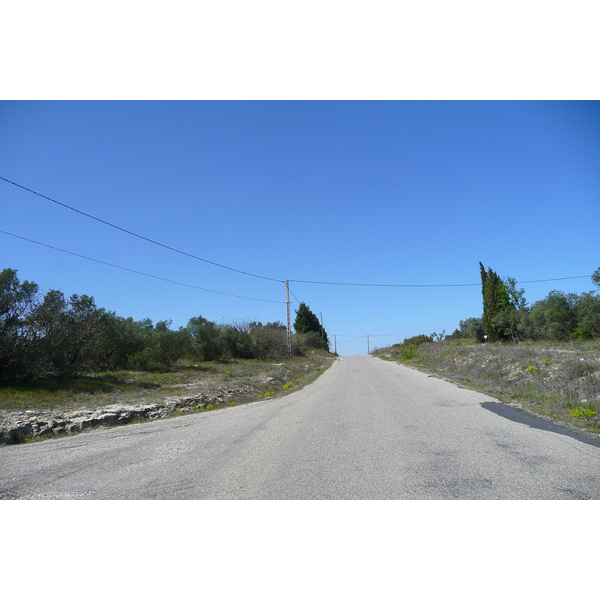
16 427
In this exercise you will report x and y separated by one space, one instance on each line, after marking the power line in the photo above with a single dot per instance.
387 284
443 327
137 234
362 337
425 285
138 272
298 301
428 284
390 334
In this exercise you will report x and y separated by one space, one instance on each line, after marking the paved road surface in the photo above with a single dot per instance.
366 429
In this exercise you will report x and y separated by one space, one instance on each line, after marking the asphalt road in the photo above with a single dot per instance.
366 429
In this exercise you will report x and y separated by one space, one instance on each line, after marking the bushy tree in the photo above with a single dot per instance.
588 317
417 340
16 301
62 333
269 340
311 340
512 324
237 340
207 342
170 345
121 339
555 317
54 336
515 296
162 347
471 328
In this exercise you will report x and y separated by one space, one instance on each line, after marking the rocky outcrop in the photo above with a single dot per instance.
16 427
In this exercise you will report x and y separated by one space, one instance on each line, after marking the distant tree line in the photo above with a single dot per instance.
507 317
50 335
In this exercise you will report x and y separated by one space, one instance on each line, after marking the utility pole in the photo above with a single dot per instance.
289 322
368 345
335 342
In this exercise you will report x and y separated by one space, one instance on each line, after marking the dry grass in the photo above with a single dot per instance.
560 381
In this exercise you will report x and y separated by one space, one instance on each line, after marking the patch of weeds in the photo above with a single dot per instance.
288 385
583 413
409 353
579 369
532 369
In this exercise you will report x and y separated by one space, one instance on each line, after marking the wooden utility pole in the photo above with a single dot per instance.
289 322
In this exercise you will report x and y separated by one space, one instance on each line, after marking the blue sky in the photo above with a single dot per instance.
375 192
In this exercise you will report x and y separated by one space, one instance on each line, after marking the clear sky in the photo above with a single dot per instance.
363 192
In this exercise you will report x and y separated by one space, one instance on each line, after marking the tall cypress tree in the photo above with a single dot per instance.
495 300
307 321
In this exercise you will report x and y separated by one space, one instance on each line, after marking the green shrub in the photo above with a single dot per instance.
416 340
409 353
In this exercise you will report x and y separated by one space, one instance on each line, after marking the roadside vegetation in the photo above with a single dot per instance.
58 352
544 358
246 380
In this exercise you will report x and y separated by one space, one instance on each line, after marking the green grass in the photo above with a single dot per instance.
186 378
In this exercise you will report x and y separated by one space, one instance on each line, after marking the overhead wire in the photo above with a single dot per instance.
331 283
139 272
426 285
360 337
137 234
443 327
390 334
292 293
